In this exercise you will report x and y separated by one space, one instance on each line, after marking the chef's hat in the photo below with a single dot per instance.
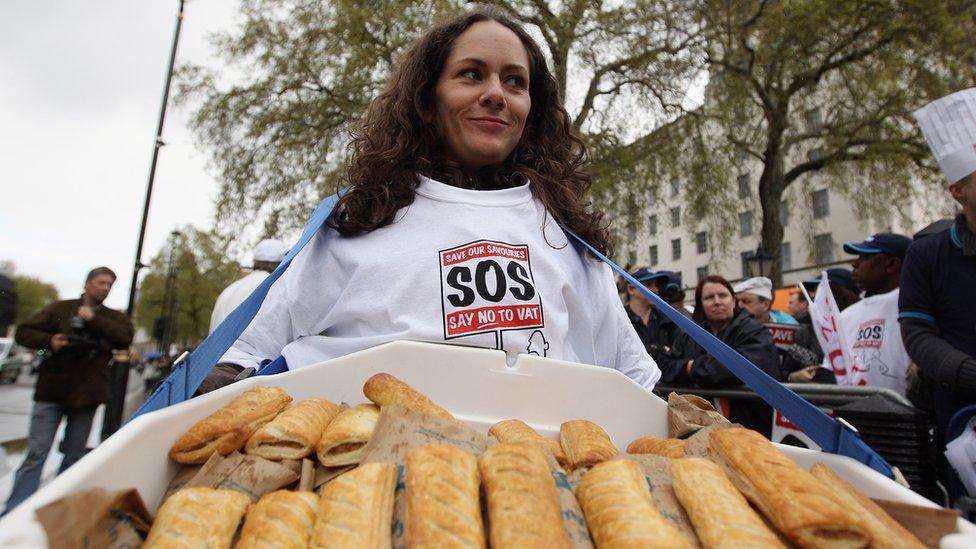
949 126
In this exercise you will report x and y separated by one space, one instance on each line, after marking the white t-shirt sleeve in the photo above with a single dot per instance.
631 357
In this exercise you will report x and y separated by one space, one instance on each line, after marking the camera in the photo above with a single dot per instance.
79 336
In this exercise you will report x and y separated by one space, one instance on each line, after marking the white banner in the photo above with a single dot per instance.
830 333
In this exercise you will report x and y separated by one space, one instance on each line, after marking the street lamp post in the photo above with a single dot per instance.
760 263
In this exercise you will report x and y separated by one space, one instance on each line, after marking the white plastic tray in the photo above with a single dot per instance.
476 385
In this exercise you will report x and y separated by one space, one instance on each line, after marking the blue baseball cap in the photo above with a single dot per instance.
882 243
674 279
646 275
837 275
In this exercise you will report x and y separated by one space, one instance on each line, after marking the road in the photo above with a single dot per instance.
16 401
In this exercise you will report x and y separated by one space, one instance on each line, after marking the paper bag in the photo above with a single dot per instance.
689 413
96 518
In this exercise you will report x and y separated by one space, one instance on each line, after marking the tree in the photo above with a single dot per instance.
33 294
202 272
813 86
277 136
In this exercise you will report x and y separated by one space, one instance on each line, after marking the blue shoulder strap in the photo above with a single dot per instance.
824 430
187 376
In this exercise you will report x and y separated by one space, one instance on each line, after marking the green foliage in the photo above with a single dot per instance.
33 294
202 272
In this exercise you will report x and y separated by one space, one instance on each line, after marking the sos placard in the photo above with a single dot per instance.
487 286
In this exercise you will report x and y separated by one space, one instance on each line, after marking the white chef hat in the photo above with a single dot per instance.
270 249
760 285
949 126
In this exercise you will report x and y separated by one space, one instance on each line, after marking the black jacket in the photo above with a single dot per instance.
752 340
658 337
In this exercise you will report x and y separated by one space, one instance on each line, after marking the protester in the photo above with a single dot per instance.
267 255
688 364
656 331
936 304
871 324
465 167
673 293
756 296
80 335
846 292
799 307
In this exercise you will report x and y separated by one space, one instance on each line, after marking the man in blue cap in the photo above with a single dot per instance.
938 298
871 325
655 330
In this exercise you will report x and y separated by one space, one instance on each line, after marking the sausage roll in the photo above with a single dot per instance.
386 390
619 510
673 448
513 431
443 490
343 441
198 517
279 520
356 509
585 443
801 507
523 508
885 531
720 514
295 432
227 429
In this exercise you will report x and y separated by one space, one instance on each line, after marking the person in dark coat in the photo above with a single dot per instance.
689 365
73 380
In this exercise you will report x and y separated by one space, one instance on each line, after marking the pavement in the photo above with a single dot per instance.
16 401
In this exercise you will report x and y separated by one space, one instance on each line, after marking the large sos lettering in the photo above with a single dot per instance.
489 282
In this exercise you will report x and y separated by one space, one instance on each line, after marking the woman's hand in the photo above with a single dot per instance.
688 366
803 375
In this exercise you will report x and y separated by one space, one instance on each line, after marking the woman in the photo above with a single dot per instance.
716 310
461 174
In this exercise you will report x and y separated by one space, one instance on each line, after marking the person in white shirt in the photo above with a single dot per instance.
463 174
267 255
871 324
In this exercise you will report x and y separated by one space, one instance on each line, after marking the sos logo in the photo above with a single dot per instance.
870 334
487 286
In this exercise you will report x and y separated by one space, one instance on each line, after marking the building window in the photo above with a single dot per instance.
745 223
741 154
821 204
653 255
676 249
784 213
785 257
702 272
676 216
632 257
632 232
816 154
652 225
744 259
745 189
701 242
675 187
814 118
823 248
650 198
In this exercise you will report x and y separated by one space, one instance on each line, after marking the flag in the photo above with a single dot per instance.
830 333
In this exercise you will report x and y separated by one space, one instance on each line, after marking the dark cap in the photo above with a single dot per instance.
882 243
674 279
646 275
839 276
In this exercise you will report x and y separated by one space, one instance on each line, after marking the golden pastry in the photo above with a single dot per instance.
794 501
227 429
585 443
720 514
295 432
668 447
356 509
343 441
386 390
885 531
512 431
523 508
279 520
198 517
443 490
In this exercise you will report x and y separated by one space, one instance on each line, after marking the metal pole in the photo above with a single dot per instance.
152 167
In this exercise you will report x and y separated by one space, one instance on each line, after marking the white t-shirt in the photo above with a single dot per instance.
476 268
234 295
872 330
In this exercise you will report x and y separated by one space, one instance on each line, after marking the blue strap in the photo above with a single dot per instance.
187 376
276 366
824 430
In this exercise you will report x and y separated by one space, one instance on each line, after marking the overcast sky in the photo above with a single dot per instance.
80 90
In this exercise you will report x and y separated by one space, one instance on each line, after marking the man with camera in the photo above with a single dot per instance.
79 335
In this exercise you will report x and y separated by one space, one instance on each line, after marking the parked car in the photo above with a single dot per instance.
13 358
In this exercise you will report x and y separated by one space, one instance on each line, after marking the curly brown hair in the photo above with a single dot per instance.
397 141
